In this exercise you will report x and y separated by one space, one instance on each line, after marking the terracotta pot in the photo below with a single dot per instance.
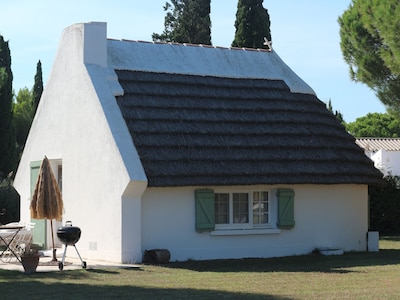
30 263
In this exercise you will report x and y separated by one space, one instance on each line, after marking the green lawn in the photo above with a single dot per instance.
349 276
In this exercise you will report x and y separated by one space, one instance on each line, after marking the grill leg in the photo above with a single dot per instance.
65 251
61 264
83 262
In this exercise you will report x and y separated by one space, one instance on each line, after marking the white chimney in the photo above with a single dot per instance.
95 43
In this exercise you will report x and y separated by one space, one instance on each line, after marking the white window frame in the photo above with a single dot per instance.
262 225
248 226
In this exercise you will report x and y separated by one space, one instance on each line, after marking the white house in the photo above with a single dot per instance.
205 151
385 153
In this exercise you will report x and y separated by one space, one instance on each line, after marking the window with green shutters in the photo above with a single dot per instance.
223 210
285 208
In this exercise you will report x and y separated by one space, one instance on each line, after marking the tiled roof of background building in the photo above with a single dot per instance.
375 144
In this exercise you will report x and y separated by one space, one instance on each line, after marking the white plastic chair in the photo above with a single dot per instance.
21 242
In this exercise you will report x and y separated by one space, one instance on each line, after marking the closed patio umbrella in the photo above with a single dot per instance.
46 201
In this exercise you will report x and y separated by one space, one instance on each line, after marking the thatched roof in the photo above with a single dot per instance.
193 130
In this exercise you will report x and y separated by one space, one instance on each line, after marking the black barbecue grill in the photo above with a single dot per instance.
69 235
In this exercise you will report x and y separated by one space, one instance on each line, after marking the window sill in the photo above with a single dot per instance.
245 232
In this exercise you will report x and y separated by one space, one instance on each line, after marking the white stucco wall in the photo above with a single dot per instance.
326 216
72 125
386 161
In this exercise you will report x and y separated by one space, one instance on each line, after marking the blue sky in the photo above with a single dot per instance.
305 34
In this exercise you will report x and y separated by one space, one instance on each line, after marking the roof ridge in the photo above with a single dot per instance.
192 45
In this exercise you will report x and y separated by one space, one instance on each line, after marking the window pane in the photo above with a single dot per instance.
260 208
221 208
240 208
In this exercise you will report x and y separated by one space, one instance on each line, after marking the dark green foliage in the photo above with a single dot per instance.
252 24
385 206
7 134
337 114
37 89
174 11
25 108
371 47
9 202
23 116
186 21
375 125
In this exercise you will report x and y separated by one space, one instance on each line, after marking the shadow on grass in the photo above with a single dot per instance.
303 263
38 290
392 238
64 275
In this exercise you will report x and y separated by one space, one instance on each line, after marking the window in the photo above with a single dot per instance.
260 208
241 210
226 213
221 208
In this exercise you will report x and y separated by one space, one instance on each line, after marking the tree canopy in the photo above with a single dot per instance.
375 125
371 47
252 24
186 21
7 134
23 116
385 206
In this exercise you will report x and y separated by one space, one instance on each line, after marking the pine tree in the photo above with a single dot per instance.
37 89
371 47
252 24
186 21
7 134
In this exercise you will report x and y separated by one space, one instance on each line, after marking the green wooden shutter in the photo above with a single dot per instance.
205 217
285 208
40 229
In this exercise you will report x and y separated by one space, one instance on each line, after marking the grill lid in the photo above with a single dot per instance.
69 234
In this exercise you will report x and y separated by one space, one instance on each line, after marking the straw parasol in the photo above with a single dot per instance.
46 201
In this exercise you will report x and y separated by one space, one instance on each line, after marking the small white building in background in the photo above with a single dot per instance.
208 152
384 152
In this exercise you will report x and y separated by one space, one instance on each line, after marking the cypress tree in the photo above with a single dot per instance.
37 89
186 21
7 133
252 24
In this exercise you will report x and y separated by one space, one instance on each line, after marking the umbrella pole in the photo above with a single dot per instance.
52 239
